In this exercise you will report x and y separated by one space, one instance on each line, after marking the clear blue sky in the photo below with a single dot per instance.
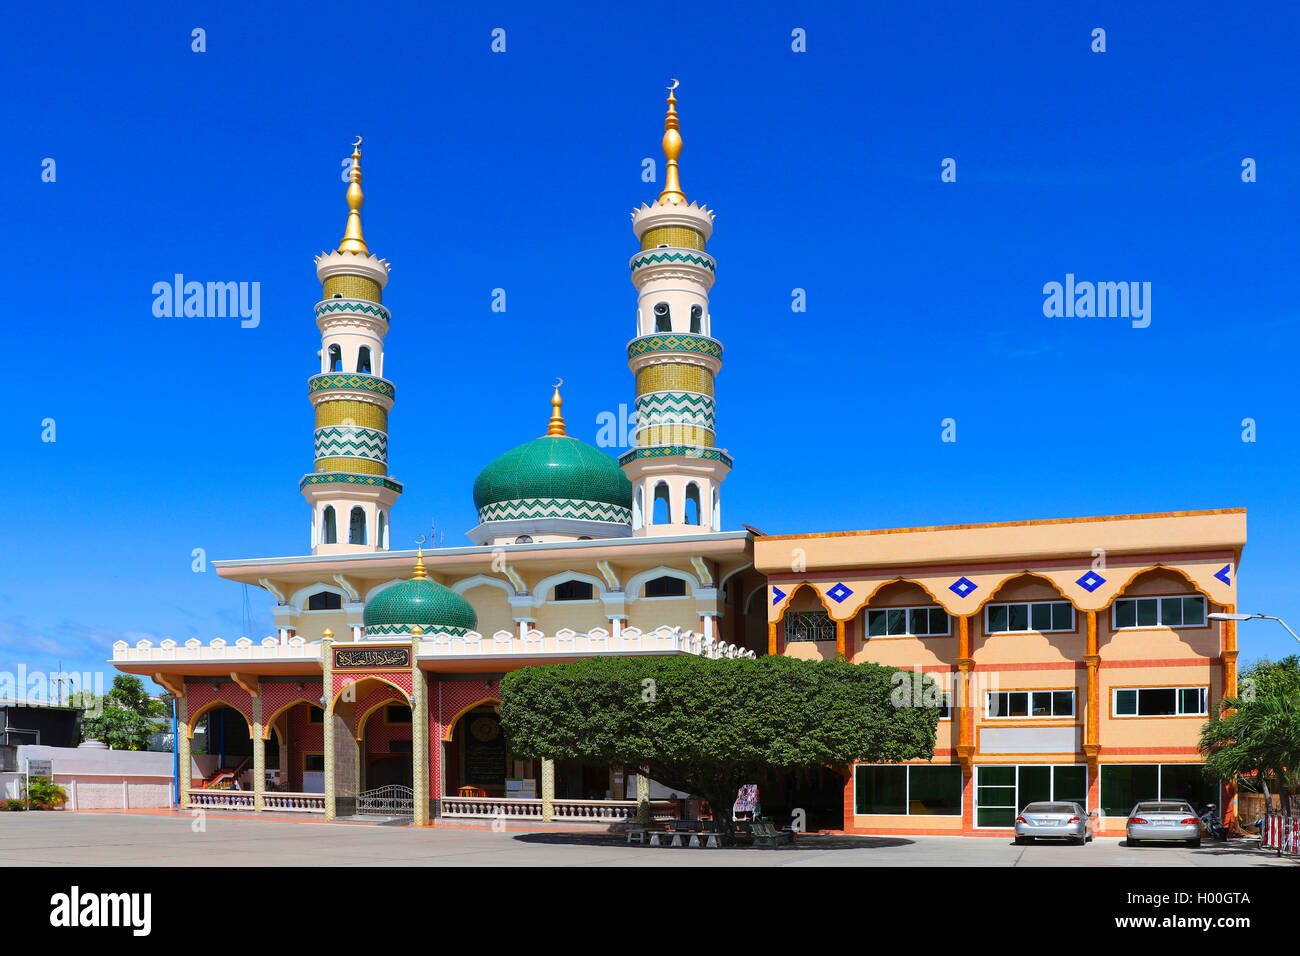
518 171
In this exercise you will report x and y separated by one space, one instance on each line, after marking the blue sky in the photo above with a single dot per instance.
518 171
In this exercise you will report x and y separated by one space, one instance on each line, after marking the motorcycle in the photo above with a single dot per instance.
1211 825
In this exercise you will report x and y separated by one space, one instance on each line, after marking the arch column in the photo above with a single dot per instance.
1092 660
419 739
548 789
327 723
183 758
961 698
259 752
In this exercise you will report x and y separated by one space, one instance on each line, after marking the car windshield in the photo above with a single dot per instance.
1050 808
1162 808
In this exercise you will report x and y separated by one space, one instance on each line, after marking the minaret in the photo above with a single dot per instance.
675 468
350 492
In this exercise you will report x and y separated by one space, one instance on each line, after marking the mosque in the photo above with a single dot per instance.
379 692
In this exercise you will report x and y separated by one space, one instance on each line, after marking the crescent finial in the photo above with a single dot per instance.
357 143
676 84
559 382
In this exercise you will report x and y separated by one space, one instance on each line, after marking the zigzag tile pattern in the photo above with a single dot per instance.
352 307
351 441
524 508
675 408
355 382
658 258
674 342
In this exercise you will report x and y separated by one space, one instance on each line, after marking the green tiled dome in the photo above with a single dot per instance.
553 467
420 602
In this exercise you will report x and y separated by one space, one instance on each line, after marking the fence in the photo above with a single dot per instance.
1281 833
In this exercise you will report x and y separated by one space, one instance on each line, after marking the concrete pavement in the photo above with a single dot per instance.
134 839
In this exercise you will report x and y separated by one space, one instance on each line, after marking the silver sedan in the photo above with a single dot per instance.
1054 821
1164 820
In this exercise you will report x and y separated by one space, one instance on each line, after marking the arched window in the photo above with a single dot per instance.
336 359
638 505
363 359
663 322
524 539
665 587
324 601
662 515
381 538
574 591
697 319
329 527
692 503
357 526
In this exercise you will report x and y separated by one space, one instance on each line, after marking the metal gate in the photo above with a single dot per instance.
391 801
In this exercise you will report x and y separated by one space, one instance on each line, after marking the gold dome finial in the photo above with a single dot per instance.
556 425
352 238
672 193
419 574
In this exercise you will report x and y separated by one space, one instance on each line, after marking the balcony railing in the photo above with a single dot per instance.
279 801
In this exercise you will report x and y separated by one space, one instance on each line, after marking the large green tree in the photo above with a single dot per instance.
1257 734
707 726
125 717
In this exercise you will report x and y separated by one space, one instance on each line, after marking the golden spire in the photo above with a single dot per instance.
672 149
352 238
556 425
419 574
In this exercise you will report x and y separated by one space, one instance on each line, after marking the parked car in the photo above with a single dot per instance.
1163 820
1054 821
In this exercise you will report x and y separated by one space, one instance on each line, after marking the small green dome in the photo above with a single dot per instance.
553 467
418 602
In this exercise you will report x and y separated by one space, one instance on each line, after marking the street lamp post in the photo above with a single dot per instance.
1222 616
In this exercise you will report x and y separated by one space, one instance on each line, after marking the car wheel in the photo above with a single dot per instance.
1021 841
1194 843
1078 841
1133 842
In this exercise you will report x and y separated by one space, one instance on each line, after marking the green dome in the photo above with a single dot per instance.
421 602
553 468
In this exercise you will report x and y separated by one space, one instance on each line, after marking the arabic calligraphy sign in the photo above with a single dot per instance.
371 657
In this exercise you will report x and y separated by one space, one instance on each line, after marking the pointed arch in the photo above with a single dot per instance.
361 721
1132 578
298 600
207 709
450 725
636 583
467 584
993 591
268 723
401 691
543 587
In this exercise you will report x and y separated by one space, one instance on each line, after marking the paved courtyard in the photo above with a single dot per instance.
138 839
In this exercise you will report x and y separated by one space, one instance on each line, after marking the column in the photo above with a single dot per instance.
771 637
961 697
1228 640
259 753
1092 660
839 641
419 738
548 789
327 722
182 744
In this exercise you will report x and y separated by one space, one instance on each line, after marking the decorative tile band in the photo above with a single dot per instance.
527 508
353 287
350 441
661 256
404 630
674 377
675 408
676 451
351 411
352 307
353 466
351 381
679 237
674 342
342 478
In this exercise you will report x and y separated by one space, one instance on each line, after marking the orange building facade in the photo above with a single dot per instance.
1076 657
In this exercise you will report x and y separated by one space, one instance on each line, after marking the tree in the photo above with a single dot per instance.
707 726
125 717
1258 732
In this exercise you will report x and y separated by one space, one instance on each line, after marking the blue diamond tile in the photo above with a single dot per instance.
838 593
1225 574
1091 581
962 586
777 595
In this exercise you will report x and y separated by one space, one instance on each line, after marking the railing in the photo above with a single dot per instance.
243 800
227 779
271 648
393 800
294 802
578 811
1280 832
563 643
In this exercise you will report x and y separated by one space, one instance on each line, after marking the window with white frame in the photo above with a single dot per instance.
1170 611
907 622
1029 616
1161 701
1003 704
